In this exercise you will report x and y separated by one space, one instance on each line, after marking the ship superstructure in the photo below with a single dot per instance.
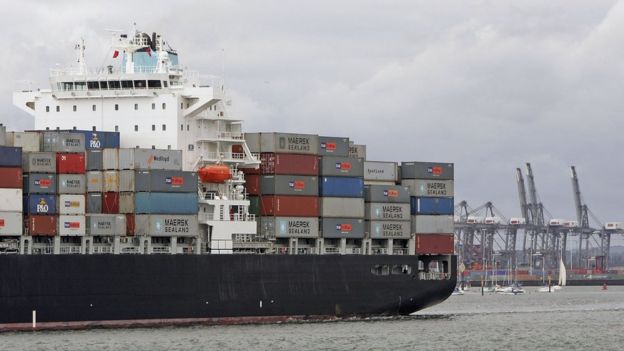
155 103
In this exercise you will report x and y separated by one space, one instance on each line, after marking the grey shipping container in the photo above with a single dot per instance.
388 230
166 225
350 228
71 184
95 160
126 202
378 170
150 159
427 170
289 185
386 193
94 203
63 142
387 212
333 146
158 180
424 188
289 227
432 224
106 224
39 162
342 207
39 183
110 159
357 150
341 166
28 141
95 182
253 141
12 223
287 143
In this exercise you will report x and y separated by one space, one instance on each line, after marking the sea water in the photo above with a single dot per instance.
575 318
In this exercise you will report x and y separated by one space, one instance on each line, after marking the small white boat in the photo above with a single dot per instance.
562 280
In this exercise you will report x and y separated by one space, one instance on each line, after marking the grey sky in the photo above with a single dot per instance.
488 85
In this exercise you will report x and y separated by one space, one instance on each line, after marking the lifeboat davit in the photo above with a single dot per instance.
214 174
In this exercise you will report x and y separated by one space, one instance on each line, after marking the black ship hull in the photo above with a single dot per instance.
91 290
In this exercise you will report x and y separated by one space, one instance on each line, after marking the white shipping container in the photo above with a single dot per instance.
342 207
380 171
28 141
95 182
126 202
111 181
110 159
357 150
11 200
429 188
71 204
166 225
11 223
150 159
432 224
71 225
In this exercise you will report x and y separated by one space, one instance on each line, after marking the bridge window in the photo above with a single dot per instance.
153 84
80 85
47 108
165 83
67 86
126 84
164 106
164 127
104 85
114 84
58 108
139 84
93 85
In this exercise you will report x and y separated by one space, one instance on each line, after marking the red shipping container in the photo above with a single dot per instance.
249 171
434 244
41 225
252 184
289 206
110 203
289 164
11 178
70 163
130 221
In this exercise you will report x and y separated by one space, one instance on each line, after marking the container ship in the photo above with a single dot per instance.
138 200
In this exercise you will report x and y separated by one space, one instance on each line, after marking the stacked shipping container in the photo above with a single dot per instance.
342 196
11 217
285 187
431 191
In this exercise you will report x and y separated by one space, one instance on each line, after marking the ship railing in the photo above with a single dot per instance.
129 250
399 252
353 250
332 250
433 276
379 251
161 250
230 135
42 250
236 217
216 156
102 249
70 249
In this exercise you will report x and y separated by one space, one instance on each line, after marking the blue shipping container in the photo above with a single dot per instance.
10 156
165 203
432 205
95 140
40 204
341 187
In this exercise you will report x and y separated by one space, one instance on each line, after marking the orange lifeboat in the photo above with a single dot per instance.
214 174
